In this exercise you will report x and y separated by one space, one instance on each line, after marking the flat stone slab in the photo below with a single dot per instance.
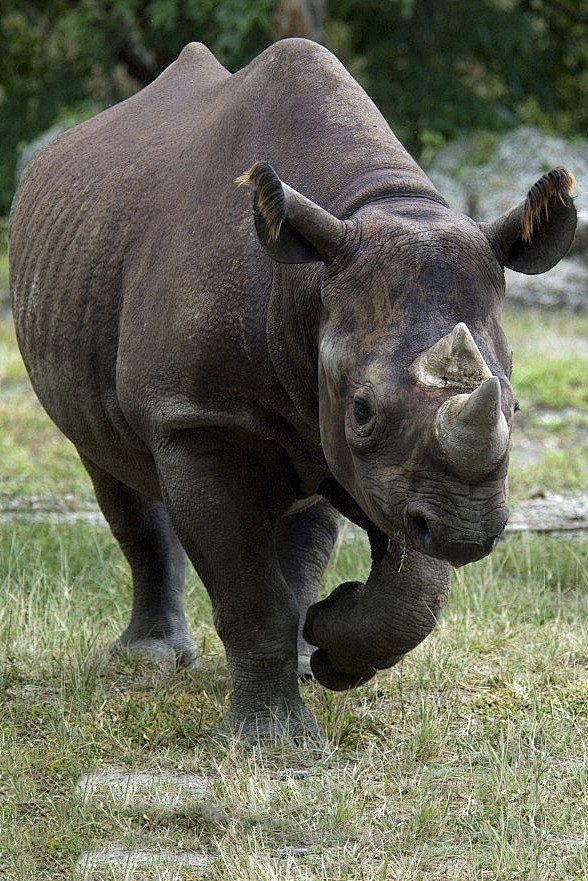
126 860
550 512
127 788
53 509
124 787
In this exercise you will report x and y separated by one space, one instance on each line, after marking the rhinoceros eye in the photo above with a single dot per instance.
363 419
362 411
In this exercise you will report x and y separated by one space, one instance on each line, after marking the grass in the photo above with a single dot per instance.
37 460
550 434
468 761
550 357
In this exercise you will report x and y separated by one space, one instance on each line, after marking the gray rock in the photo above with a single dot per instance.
29 150
452 189
580 245
563 287
513 164
485 177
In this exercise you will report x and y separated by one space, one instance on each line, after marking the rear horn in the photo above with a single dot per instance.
453 362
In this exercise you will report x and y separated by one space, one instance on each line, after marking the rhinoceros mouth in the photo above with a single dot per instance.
428 533
417 524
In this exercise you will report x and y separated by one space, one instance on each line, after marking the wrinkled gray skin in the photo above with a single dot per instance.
209 383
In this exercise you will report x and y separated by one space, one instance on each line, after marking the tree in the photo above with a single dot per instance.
63 60
439 70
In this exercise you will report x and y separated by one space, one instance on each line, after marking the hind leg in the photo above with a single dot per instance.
142 528
304 542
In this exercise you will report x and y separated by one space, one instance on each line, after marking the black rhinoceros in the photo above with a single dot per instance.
233 378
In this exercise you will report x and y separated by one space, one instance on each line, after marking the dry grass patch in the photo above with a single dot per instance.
467 761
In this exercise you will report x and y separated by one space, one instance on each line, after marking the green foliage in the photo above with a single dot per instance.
62 61
440 70
437 70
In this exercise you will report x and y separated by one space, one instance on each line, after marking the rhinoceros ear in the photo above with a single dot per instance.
289 226
537 233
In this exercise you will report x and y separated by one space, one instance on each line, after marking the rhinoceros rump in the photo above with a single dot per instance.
233 377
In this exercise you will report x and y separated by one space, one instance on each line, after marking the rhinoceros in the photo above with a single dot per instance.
236 376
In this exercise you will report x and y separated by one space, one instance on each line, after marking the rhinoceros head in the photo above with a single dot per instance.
415 400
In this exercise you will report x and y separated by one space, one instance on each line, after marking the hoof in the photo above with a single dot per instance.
179 653
334 679
342 601
267 726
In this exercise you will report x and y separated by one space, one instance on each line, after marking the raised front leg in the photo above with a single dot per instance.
225 504
157 560
305 542
361 628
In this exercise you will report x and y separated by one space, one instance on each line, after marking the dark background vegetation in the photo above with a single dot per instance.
436 68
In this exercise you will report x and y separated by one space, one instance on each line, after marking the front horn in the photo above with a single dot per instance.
472 430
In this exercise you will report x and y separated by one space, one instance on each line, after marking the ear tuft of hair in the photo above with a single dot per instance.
555 184
269 196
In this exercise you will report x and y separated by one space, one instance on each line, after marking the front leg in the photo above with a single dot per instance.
225 504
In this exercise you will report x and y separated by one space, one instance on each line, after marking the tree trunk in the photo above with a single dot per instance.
299 18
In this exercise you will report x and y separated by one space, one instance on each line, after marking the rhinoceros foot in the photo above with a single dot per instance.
322 664
179 649
330 677
292 723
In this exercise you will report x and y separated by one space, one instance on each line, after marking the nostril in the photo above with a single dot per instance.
423 533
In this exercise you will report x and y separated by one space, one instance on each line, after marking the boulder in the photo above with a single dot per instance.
485 175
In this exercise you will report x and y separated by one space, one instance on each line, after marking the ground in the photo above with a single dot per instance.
467 761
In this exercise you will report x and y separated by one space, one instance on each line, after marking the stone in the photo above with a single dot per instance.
550 512
491 176
563 287
124 787
486 176
120 862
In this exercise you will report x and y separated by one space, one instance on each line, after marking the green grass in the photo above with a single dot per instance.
468 761
550 371
550 358
563 384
